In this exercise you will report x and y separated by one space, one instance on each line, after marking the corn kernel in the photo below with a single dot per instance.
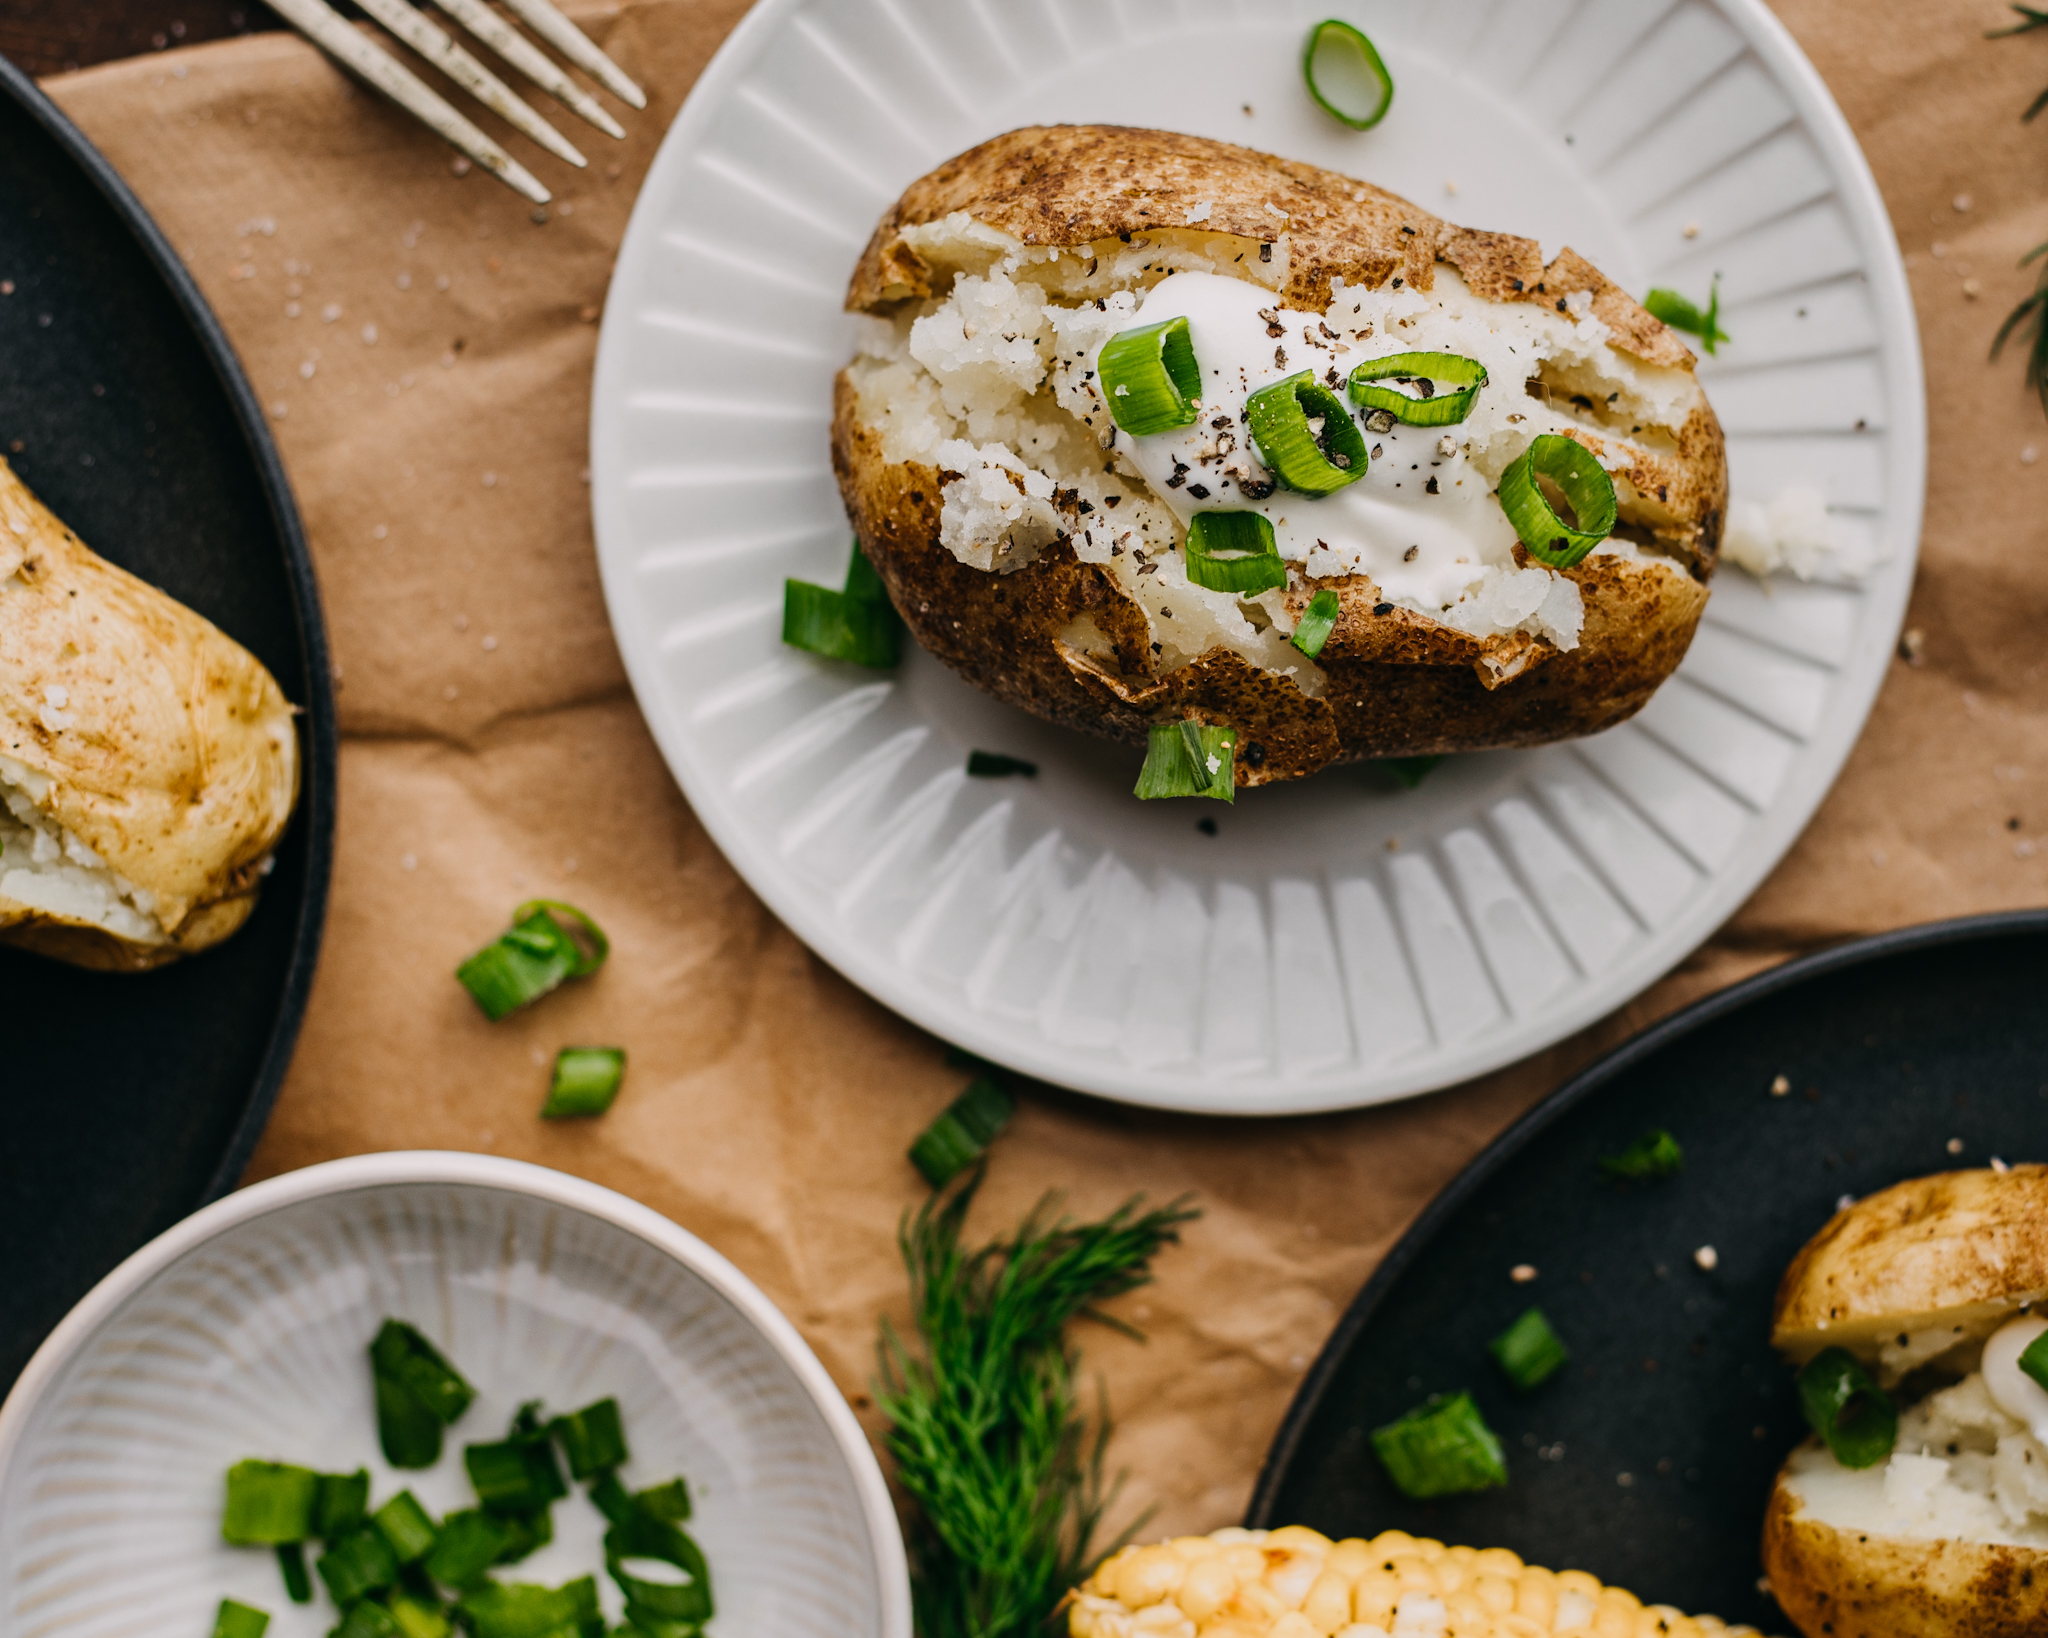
1148 1575
1373 1598
1351 1557
1536 1595
1299 1538
1207 1587
1328 1604
1293 1625
1495 1591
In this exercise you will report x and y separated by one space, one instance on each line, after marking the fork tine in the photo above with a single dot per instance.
410 27
520 52
347 46
542 17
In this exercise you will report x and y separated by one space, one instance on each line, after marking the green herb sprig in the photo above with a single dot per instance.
987 1434
2028 317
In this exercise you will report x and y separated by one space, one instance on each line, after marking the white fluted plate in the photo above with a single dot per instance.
1337 942
242 1332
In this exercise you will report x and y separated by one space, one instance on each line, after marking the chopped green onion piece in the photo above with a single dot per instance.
1150 377
1680 314
585 1081
963 1132
995 765
340 1504
525 1534
518 1474
408 1431
1314 459
417 1391
670 1501
357 1564
1847 1409
523 1610
298 1580
1428 407
239 1620
2034 1359
534 955
269 1503
634 1548
470 1542
858 624
406 1526
611 1498
1188 759
1443 1447
1233 552
1654 1155
366 1618
1583 482
1317 621
593 1438
1410 771
1339 61
419 1618
1529 1351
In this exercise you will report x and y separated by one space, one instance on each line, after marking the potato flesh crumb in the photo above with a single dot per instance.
44 867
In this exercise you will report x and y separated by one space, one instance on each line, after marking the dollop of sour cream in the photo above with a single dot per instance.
1422 522
2011 1389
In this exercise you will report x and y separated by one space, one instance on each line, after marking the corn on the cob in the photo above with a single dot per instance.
1296 1583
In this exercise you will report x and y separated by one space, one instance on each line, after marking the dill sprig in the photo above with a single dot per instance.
2031 316
988 1437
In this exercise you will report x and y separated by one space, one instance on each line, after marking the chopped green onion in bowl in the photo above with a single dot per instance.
585 1081
1656 1154
1151 378
1345 76
516 1475
594 1439
1854 1417
418 1392
1579 478
962 1133
269 1504
1317 621
1680 314
239 1620
291 1564
547 943
1529 1352
1188 759
357 1564
406 1528
1442 1447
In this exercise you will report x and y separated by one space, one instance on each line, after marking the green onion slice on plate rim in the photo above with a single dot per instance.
1313 460
1529 1352
1426 407
1340 63
1851 1413
1189 759
1583 482
1442 1447
1150 377
1233 552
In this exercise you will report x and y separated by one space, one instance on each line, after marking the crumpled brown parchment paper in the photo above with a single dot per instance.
425 350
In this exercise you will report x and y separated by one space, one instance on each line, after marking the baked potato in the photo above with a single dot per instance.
1040 549
148 762
1936 1286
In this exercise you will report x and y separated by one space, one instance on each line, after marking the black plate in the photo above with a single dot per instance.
128 1100
1895 1047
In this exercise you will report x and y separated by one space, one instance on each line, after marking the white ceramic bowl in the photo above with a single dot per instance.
241 1332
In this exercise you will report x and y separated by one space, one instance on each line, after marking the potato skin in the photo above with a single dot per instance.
1954 1242
175 757
1397 684
1847 1584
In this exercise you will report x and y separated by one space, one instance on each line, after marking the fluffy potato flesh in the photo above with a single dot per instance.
1933 1285
1040 553
148 762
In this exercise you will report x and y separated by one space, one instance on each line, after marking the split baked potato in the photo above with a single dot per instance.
1936 1286
148 762
1043 556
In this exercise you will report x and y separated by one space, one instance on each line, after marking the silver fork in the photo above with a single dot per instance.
350 47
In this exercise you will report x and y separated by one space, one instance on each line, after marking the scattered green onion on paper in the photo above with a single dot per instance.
1582 480
1151 378
1317 621
539 951
585 1081
1233 552
1188 759
1529 1352
1425 407
1676 311
1443 1447
857 623
1656 1154
1306 435
1851 1413
1345 76
962 1133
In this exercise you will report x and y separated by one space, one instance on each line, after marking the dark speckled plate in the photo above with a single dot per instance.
1649 1458
128 1100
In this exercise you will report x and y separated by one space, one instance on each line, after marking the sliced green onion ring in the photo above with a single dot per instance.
1317 621
1529 1352
234 1620
1150 377
1339 59
1586 485
962 1133
1431 408
269 1503
1189 759
643 1538
1851 1413
1656 1154
1312 461
1443 1447
2034 1359
594 1438
1233 552
585 1081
